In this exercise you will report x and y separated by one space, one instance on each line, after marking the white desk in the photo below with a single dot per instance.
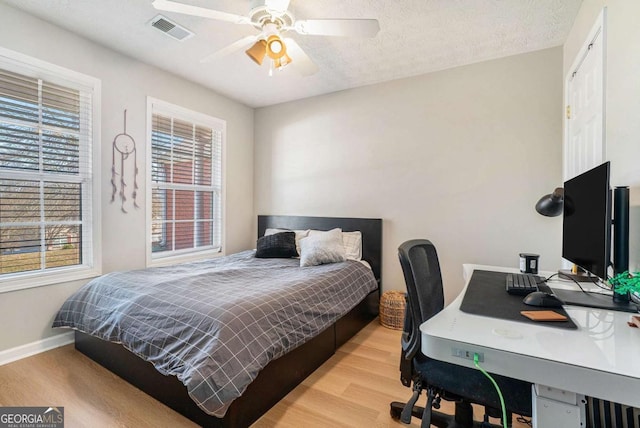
600 359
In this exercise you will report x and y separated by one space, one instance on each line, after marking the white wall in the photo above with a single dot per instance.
459 157
622 95
25 316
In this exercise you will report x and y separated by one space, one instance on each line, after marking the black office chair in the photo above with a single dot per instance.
425 298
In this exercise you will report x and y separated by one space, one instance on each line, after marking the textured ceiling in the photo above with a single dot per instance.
416 37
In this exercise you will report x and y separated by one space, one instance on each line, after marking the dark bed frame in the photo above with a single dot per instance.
280 376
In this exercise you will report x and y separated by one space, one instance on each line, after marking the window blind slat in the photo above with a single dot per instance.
12 111
19 202
18 87
61 153
62 201
67 114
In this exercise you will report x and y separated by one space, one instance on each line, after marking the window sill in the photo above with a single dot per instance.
32 280
184 258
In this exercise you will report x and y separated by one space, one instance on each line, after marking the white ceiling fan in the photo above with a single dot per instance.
273 18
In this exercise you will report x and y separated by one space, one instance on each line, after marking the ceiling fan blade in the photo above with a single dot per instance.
338 27
171 6
300 61
243 43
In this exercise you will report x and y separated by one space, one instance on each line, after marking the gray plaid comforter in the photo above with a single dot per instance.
215 324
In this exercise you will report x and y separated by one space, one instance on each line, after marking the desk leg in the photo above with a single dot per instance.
554 408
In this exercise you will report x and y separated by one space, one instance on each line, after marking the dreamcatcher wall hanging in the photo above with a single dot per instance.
123 146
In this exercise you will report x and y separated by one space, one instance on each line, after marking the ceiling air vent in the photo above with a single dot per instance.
171 28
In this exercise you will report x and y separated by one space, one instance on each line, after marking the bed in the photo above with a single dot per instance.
281 374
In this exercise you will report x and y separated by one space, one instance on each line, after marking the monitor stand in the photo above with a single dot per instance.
594 300
579 276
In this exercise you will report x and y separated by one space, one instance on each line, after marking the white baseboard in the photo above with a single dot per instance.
23 351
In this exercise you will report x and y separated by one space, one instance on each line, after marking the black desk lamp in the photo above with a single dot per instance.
551 205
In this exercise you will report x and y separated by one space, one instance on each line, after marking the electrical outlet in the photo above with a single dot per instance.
466 354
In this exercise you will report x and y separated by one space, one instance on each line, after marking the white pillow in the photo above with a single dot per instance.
299 235
351 241
322 248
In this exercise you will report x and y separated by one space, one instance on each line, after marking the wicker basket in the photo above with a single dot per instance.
392 304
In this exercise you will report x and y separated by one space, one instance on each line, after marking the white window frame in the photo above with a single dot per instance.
165 258
92 256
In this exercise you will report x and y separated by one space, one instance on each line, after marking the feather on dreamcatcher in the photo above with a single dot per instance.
125 145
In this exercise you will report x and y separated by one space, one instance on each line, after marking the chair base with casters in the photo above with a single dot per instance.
440 380
462 418
463 386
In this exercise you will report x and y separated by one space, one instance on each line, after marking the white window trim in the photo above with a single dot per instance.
20 63
200 119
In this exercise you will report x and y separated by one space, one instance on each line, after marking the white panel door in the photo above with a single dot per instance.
584 146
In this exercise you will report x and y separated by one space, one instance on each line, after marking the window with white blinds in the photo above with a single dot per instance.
186 181
46 183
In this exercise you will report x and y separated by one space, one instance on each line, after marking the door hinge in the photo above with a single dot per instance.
568 112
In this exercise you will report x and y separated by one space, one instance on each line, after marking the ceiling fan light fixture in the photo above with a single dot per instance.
283 61
257 51
275 47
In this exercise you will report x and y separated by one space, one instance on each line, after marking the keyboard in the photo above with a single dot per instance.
522 284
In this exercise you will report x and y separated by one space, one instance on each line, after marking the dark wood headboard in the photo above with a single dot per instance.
371 229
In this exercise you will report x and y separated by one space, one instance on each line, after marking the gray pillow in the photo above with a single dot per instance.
322 248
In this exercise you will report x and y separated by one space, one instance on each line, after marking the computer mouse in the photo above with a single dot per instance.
540 298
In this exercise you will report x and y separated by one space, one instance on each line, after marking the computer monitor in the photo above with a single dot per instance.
586 228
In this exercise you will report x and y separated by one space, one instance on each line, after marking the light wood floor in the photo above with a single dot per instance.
352 389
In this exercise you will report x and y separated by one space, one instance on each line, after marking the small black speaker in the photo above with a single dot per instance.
620 229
